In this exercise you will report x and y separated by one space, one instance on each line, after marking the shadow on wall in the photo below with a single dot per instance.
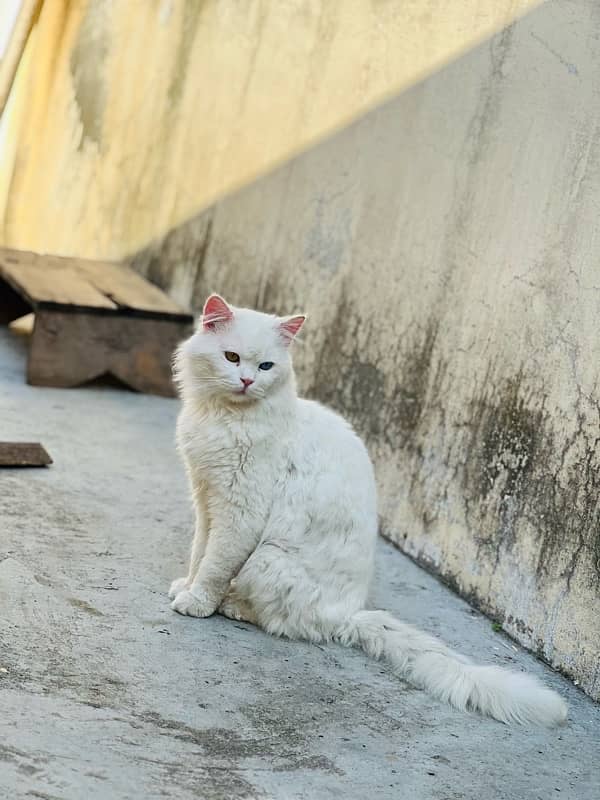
444 247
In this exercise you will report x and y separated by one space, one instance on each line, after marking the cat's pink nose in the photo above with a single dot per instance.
247 381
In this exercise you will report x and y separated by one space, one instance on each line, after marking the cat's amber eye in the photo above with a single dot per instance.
233 357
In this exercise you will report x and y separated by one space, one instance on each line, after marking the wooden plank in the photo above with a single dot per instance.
23 454
128 289
47 279
69 349
40 278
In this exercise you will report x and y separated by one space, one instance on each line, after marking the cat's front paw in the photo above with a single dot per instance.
178 585
194 605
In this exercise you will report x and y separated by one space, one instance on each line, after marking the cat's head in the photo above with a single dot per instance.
237 355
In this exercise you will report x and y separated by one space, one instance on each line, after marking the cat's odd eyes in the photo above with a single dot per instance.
235 359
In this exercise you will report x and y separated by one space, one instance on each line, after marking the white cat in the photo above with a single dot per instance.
286 516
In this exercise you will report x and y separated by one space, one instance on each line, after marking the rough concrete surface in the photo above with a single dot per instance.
106 693
141 138
445 248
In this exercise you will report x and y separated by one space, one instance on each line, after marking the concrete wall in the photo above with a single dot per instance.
135 115
446 248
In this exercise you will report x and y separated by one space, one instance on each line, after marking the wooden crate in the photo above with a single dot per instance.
92 318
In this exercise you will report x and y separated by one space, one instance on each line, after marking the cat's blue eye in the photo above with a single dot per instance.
266 365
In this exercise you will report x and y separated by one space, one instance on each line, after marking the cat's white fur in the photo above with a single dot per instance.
286 517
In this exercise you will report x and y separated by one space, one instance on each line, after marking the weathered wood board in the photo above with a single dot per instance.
44 280
23 454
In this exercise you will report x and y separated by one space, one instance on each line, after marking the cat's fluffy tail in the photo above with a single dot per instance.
428 663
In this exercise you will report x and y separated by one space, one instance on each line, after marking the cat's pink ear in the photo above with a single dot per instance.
215 312
290 326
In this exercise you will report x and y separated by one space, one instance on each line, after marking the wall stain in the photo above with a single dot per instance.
518 469
385 403
87 63
189 27
416 392
484 122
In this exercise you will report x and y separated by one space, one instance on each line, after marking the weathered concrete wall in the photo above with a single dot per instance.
137 115
446 250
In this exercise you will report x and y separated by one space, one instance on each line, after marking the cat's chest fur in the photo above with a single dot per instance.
225 451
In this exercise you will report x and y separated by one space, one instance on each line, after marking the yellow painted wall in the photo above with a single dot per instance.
139 114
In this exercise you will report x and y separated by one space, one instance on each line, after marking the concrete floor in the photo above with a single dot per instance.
106 693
